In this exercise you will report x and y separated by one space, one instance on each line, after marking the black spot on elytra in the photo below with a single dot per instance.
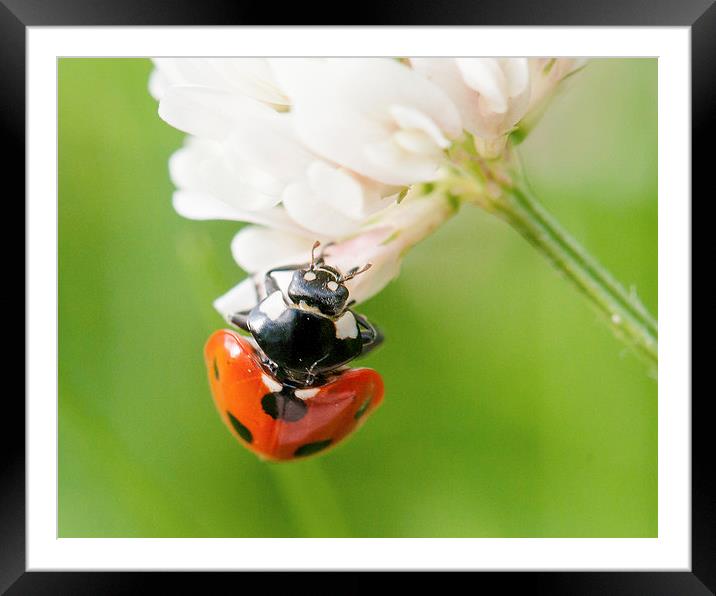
311 448
364 406
244 432
284 405
216 370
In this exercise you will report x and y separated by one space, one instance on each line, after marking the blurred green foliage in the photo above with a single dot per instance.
510 410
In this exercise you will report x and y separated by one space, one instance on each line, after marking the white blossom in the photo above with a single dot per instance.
320 149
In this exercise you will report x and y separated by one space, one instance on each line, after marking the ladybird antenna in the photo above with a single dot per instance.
353 272
316 244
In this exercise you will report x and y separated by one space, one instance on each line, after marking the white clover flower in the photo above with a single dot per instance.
320 149
491 94
244 161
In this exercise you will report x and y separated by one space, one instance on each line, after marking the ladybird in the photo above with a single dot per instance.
286 391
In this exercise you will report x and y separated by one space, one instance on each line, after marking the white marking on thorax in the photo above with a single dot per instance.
306 393
332 286
271 384
273 306
310 276
303 306
346 326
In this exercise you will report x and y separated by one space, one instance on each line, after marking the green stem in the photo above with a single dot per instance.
499 187
627 316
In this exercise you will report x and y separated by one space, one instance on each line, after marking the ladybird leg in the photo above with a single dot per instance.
270 282
372 336
311 375
241 320
257 288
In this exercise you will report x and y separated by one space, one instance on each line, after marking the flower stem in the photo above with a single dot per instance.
500 187
628 317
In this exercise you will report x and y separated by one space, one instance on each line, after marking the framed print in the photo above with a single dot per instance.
292 303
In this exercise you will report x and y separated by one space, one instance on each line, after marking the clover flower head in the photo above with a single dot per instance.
335 150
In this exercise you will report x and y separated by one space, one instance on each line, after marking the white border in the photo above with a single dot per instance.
671 550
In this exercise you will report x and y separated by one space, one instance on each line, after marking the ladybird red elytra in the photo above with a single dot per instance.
280 419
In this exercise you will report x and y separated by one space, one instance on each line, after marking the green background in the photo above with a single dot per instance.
510 408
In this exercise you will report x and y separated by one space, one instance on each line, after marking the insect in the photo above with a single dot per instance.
286 391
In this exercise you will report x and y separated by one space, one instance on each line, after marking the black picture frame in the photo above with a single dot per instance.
17 15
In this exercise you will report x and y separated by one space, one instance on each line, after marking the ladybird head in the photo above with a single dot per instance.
322 287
